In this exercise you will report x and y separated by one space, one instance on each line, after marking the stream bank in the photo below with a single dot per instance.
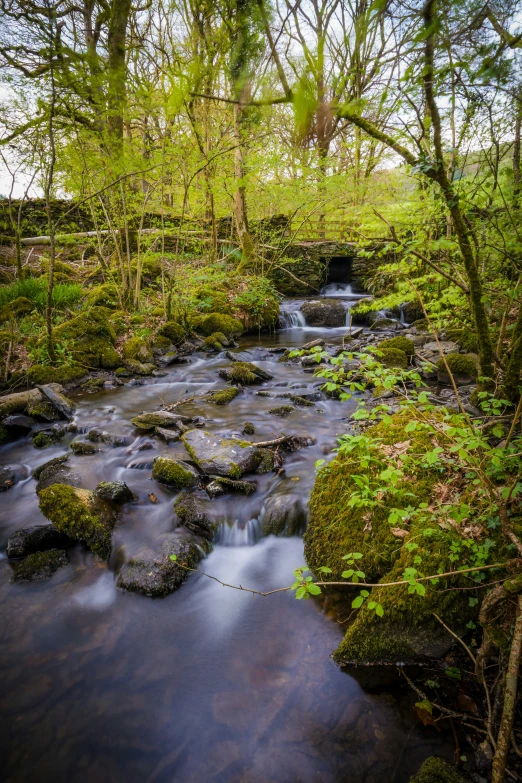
207 683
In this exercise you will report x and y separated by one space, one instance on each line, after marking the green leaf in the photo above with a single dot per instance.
300 592
325 570
379 611
347 574
173 558
357 602
314 589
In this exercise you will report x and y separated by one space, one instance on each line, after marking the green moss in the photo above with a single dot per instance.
140 368
122 372
5 436
16 308
282 410
40 374
43 439
248 428
60 268
40 565
222 397
118 322
105 295
89 338
241 373
459 364
393 357
161 344
80 515
173 331
219 322
174 473
82 448
401 343
43 410
211 343
436 770
207 298
138 349
466 338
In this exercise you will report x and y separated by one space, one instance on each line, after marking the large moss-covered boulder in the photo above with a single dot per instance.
324 312
105 295
42 374
139 349
152 570
217 456
463 367
81 515
219 322
436 770
399 343
393 357
173 331
407 631
89 338
174 473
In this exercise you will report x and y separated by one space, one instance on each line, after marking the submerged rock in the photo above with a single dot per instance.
229 485
148 421
324 312
197 515
283 515
57 473
83 448
436 770
36 539
81 515
227 457
7 478
174 473
169 436
116 491
40 565
222 396
153 573
245 373
282 411
18 421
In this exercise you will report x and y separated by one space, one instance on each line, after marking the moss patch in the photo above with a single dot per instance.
173 331
460 364
16 308
40 374
174 473
220 322
40 565
89 338
436 770
393 357
80 515
222 397
138 349
105 295
400 343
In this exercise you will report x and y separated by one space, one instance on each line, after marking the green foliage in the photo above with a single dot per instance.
65 295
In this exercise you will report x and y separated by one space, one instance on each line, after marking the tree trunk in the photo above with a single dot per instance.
240 206
517 174
116 73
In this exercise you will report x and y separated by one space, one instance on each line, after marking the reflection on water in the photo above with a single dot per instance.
210 683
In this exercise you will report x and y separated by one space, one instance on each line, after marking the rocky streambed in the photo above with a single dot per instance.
102 681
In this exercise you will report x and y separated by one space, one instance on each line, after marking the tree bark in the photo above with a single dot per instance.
240 206
116 73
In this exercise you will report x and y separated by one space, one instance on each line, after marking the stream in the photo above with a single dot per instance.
208 684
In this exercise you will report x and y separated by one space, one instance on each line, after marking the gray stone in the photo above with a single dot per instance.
19 422
36 539
324 312
231 485
197 515
222 456
313 344
152 571
283 515
57 474
169 436
7 478
82 448
116 491
148 421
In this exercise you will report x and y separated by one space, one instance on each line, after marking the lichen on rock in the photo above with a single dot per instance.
174 473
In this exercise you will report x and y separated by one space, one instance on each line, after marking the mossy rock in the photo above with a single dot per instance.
241 373
150 267
80 515
212 343
40 565
160 344
173 331
122 372
465 338
220 322
49 438
83 448
463 367
41 374
138 349
228 457
209 299
43 410
117 320
104 295
282 411
140 368
5 435
60 268
400 343
174 473
90 339
15 309
436 770
412 311
248 428
222 397
393 357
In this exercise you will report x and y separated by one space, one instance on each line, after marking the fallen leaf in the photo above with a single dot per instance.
398 532
153 498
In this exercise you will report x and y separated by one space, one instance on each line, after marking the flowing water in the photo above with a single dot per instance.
207 684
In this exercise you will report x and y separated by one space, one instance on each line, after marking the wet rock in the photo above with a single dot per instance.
36 539
446 346
40 565
83 448
227 457
95 436
145 446
19 422
282 411
37 472
169 436
153 573
310 361
7 478
385 325
159 374
44 410
248 428
354 333
267 463
301 401
214 490
148 421
174 473
283 515
136 382
116 491
58 400
195 515
48 437
234 357
230 485
81 515
245 373
20 401
324 312
57 474
140 368
172 357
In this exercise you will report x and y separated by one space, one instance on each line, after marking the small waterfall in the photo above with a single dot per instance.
292 319
338 289
231 534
